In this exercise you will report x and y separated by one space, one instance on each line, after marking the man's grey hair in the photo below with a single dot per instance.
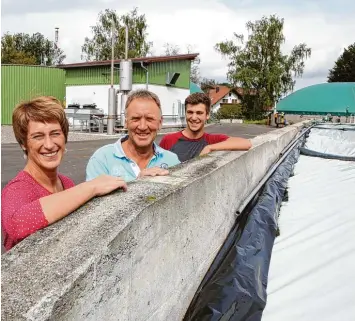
144 94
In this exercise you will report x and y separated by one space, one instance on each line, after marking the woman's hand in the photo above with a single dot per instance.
105 184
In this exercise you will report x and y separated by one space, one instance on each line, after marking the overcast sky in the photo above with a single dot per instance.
327 26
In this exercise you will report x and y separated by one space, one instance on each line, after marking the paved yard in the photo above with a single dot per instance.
80 149
79 152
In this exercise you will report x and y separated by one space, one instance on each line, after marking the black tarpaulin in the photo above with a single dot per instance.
234 288
313 153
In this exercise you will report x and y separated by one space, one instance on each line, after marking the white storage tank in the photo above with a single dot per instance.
126 75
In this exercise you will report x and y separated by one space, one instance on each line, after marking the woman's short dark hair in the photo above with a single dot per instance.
44 109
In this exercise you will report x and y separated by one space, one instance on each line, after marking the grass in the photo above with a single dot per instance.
255 122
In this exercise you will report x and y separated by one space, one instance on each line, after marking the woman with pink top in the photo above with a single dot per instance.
39 195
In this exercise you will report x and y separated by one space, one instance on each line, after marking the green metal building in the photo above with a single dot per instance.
194 88
99 72
20 83
89 80
337 99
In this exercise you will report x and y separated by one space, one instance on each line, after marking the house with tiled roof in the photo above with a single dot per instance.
220 95
223 95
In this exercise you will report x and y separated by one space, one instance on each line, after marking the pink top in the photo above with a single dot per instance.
21 211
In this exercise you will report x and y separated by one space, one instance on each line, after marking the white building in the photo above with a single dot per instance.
167 76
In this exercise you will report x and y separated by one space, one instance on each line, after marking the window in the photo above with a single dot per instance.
225 100
235 101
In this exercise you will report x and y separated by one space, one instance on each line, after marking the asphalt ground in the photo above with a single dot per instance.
79 152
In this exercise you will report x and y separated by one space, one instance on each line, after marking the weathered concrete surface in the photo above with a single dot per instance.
139 255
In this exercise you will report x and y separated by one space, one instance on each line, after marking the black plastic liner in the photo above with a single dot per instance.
313 153
234 288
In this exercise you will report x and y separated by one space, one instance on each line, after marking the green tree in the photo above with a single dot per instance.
206 84
21 48
225 84
173 50
99 46
258 65
344 67
229 111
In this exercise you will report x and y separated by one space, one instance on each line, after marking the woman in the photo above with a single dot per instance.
39 195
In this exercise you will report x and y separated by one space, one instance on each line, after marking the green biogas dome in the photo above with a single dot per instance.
337 98
194 88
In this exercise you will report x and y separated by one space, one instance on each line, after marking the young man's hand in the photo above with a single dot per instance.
206 150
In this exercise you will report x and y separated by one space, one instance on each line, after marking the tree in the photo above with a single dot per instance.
344 68
99 46
229 111
22 48
206 84
195 68
258 65
173 50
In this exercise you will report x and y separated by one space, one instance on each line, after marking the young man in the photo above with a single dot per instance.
136 154
193 141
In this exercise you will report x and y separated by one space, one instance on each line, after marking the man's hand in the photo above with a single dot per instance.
206 150
154 171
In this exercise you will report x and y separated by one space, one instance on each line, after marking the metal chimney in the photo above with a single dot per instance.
56 36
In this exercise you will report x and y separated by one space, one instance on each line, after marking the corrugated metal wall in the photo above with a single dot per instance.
157 74
24 82
20 82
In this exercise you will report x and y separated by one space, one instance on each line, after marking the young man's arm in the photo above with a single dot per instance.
222 142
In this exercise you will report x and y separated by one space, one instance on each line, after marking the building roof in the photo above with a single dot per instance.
320 99
194 88
217 93
148 60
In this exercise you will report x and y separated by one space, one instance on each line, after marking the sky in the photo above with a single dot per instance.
324 25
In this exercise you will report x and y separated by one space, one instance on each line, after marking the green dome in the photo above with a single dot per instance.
195 88
321 99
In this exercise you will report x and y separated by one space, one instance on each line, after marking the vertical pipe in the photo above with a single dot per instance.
111 92
123 108
126 44
112 51
146 75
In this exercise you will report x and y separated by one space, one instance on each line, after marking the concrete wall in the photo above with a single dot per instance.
139 255
98 94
